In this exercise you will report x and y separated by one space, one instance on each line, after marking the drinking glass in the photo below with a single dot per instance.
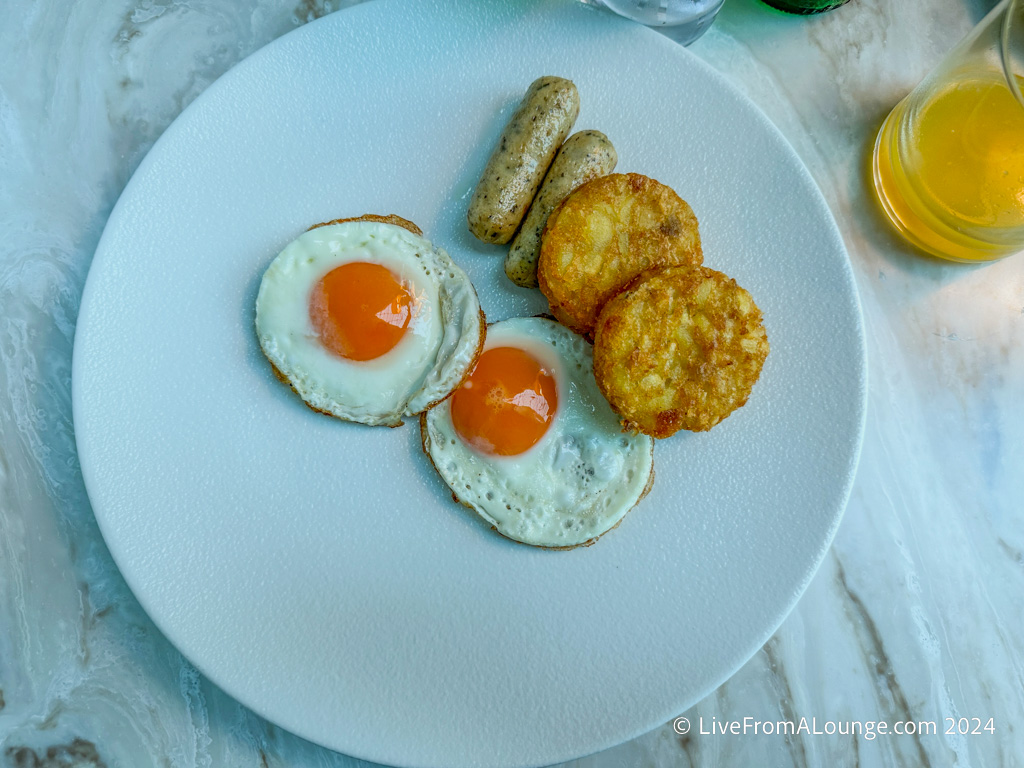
949 159
682 20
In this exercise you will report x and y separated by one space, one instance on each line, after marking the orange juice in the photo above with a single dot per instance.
949 169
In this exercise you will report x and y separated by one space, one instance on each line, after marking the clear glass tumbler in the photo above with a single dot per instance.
949 159
682 20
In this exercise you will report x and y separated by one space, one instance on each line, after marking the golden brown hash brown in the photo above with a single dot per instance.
679 348
603 235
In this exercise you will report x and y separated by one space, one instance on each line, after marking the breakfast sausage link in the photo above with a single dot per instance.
522 156
584 156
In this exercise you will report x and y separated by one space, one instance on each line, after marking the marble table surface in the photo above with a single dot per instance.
916 613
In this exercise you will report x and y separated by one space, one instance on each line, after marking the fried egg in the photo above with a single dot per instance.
367 320
529 443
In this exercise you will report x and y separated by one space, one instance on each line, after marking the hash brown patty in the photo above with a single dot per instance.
679 348
603 235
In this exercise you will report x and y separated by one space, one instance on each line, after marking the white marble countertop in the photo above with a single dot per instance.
916 613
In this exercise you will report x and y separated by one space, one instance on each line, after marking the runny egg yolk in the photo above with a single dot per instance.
360 310
506 404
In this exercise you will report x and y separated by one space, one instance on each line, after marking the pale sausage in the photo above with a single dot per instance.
521 158
584 156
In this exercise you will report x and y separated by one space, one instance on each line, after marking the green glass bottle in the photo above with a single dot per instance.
805 6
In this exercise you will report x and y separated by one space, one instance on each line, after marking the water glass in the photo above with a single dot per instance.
682 20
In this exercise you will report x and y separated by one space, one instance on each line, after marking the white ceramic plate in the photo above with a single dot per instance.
319 571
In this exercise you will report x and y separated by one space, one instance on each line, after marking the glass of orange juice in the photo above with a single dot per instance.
949 159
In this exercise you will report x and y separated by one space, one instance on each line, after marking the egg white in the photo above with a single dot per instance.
578 481
440 344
